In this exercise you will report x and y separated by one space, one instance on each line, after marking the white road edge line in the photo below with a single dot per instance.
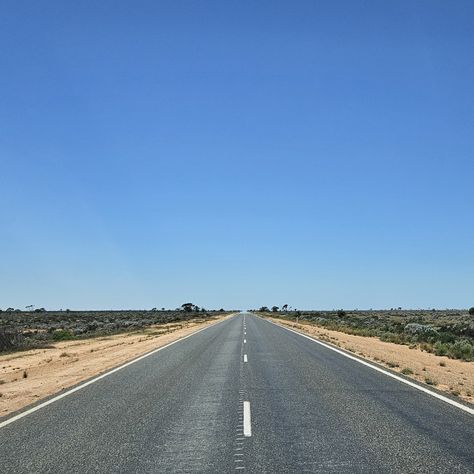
245 358
96 379
247 420
385 372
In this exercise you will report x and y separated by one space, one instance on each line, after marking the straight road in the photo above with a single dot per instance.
242 395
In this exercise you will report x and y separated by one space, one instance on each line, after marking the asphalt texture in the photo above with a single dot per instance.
181 410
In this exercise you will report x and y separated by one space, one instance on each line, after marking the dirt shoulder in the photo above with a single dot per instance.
26 377
449 375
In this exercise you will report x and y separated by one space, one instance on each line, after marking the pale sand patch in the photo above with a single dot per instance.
455 377
70 362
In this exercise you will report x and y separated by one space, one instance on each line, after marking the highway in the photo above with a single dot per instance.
242 395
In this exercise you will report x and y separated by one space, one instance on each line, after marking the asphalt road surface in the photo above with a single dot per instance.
242 395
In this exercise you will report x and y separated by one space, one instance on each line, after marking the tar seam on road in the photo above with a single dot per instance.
96 379
385 372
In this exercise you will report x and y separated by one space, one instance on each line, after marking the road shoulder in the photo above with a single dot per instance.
454 377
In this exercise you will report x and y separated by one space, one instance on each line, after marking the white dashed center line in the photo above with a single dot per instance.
245 341
245 358
247 420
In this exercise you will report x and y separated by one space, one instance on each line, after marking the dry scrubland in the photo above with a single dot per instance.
53 351
27 330
433 347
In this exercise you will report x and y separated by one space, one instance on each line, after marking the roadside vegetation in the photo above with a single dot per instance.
22 330
442 332
48 367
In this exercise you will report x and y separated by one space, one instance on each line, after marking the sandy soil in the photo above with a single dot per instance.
26 377
449 375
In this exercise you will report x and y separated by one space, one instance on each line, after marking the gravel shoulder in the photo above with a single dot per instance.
28 376
449 375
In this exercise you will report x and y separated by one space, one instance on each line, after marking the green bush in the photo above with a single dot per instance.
471 311
62 335
441 349
462 349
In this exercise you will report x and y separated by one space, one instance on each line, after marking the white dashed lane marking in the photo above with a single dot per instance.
247 420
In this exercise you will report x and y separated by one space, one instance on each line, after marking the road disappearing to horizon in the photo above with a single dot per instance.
242 395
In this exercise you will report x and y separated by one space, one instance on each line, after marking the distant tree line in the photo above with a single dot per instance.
186 307
191 307
13 310
275 309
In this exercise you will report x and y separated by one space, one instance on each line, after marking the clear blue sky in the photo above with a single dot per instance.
237 154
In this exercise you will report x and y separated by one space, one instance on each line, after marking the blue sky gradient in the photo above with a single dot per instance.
237 154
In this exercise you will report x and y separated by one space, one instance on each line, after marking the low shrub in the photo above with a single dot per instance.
62 335
440 349
423 332
461 349
392 337
10 340
426 347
